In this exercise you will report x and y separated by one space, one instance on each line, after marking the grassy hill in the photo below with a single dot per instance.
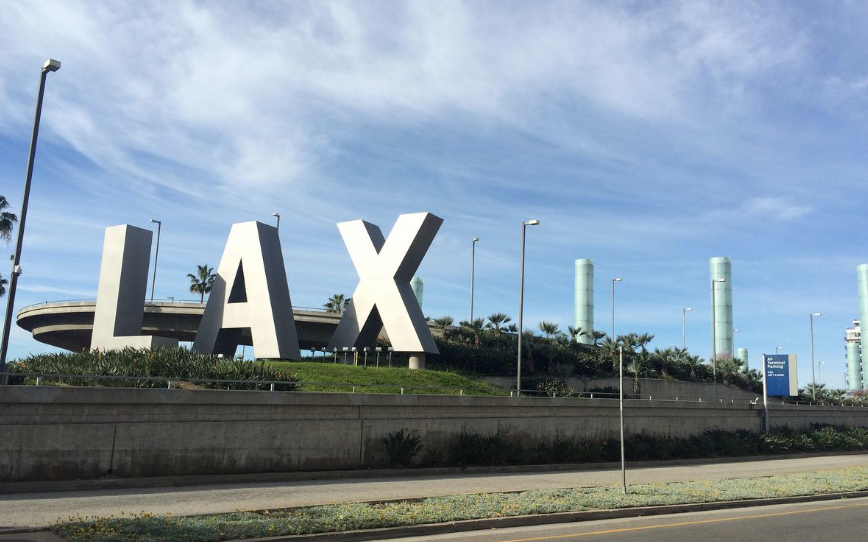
324 377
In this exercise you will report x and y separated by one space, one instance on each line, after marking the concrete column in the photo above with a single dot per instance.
584 306
721 268
418 286
417 360
854 373
862 279
742 355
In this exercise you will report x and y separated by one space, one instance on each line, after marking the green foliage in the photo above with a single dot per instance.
402 447
372 379
360 515
160 363
337 303
819 438
7 221
471 449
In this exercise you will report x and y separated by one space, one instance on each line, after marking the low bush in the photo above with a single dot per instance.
402 447
150 368
497 449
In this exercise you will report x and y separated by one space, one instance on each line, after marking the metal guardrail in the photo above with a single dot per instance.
271 383
148 302
172 383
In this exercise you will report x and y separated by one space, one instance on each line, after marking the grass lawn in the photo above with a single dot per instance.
382 379
353 516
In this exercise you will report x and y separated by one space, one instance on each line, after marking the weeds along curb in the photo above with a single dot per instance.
546 519
305 476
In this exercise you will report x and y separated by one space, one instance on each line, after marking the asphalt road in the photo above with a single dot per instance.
43 509
837 520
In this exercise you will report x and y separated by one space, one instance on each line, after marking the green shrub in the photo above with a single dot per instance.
471 449
402 447
151 368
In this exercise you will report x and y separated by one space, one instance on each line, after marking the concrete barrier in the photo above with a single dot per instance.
63 433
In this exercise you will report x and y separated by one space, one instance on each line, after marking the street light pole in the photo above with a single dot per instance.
50 65
472 274
524 226
714 330
613 306
621 411
684 312
156 257
813 376
278 219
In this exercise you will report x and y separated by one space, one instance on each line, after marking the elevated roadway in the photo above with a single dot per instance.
69 324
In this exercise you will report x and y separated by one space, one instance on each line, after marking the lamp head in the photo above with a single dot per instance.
816 314
475 239
688 309
719 280
617 280
533 222
51 65
276 214
153 221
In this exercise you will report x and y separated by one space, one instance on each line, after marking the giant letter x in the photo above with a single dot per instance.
384 298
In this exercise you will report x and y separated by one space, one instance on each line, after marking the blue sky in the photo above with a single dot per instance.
647 136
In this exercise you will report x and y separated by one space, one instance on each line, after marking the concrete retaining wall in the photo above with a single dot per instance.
61 433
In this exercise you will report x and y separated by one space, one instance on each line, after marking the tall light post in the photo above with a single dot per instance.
277 215
613 305
156 257
524 226
50 65
714 329
472 273
684 312
813 376
778 349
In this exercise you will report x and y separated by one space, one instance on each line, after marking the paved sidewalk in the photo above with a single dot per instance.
43 509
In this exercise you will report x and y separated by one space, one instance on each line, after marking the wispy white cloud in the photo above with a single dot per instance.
774 208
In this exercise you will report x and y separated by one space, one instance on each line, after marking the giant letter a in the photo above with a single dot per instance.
250 292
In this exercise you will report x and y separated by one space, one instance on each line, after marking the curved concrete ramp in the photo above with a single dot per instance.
68 324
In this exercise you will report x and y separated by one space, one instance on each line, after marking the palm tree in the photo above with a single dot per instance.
642 341
549 329
665 358
3 283
496 322
576 332
529 341
443 324
475 328
728 369
7 221
202 282
337 303
598 336
639 366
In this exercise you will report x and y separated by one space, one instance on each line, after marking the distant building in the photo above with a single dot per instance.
852 341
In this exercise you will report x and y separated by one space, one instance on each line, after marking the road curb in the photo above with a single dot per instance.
545 519
278 477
